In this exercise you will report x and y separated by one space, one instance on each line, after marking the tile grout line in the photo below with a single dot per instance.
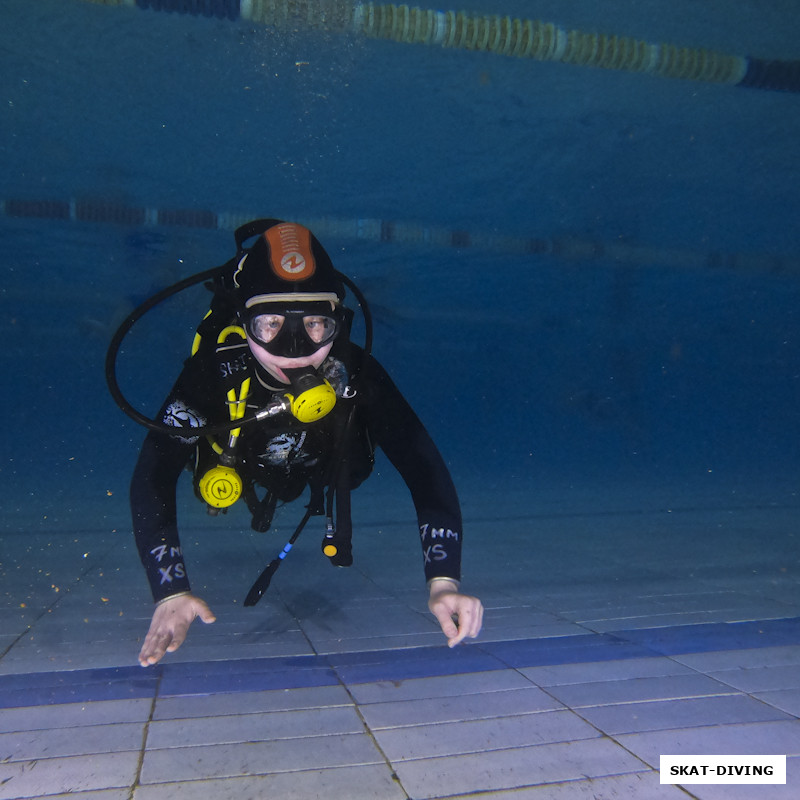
603 734
145 734
94 564
742 692
392 772
613 738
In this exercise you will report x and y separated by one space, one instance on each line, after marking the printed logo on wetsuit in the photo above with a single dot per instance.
179 415
284 448
174 569
438 550
291 258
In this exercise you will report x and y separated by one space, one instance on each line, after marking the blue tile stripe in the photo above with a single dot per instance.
717 636
259 674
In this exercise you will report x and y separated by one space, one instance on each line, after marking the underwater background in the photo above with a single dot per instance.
586 281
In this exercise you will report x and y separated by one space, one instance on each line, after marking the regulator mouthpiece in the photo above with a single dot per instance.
310 397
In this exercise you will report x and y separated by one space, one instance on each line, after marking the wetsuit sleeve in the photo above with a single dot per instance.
397 430
153 486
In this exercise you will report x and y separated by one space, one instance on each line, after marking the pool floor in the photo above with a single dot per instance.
611 637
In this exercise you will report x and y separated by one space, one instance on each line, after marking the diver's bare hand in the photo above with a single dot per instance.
171 621
460 616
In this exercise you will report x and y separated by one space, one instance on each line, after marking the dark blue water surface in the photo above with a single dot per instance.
657 341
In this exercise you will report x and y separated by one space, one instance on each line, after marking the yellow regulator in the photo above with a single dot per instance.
220 487
313 403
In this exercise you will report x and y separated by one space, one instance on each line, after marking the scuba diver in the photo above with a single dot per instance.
276 398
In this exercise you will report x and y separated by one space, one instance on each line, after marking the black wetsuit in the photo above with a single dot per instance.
285 456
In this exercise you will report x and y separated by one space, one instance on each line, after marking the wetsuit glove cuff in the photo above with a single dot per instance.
452 581
170 596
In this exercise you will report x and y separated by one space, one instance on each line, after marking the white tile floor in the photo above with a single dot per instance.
338 685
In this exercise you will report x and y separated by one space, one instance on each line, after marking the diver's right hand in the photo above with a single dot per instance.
171 621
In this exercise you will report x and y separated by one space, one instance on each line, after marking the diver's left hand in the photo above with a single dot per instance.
459 615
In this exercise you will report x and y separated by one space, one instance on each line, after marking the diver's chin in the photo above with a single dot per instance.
280 375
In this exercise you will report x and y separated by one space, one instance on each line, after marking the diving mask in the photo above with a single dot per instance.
293 332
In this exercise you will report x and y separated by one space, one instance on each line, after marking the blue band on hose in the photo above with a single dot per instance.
285 552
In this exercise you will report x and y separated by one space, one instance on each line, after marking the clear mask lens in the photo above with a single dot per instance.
316 329
319 329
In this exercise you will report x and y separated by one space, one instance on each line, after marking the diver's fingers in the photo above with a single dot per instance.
154 647
470 619
178 635
444 616
170 624
468 611
203 611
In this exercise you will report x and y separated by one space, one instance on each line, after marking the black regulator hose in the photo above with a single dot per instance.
135 315
116 342
366 313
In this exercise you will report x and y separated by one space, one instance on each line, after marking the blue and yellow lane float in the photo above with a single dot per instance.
501 35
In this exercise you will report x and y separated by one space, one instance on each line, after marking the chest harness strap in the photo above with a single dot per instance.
221 485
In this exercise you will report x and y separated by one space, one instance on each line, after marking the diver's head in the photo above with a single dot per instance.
290 299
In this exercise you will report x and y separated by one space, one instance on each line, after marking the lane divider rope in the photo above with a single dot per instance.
501 35
567 248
